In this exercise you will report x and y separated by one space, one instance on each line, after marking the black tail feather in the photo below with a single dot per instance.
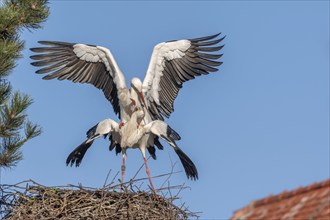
91 132
189 166
158 144
152 152
76 156
172 134
118 148
112 143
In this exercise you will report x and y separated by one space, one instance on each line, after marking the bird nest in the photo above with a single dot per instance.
30 200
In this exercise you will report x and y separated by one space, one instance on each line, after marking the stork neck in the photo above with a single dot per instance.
135 96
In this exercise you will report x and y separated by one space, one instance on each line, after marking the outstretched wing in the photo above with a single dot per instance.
103 128
173 63
164 131
81 63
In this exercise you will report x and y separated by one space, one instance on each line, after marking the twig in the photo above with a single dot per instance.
106 179
31 200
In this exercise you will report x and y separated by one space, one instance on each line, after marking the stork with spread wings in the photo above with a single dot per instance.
172 63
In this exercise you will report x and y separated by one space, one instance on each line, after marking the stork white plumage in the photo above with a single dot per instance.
133 135
103 128
172 63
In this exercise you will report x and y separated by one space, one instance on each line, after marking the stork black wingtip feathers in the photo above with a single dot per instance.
91 131
158 144
76 156
118 148
172 134
188 165
152 152
33 49
55 43
205 38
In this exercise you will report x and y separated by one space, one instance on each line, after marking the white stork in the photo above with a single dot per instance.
171 64
133 135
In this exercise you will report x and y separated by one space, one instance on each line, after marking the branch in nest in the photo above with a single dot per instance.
31 200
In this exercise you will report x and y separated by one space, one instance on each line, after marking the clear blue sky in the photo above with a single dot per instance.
257 127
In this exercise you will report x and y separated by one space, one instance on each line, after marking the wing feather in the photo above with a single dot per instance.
162 130
204 38
103 128
173 63
208 49
56 66
81 63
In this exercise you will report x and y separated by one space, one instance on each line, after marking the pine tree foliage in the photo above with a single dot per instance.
15 127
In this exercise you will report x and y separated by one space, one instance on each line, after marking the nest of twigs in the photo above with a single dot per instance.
30 200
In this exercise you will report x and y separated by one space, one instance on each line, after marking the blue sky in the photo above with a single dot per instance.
257 127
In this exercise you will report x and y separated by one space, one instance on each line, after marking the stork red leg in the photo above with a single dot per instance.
123 168
148 173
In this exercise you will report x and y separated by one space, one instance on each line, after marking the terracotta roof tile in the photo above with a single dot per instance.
311 202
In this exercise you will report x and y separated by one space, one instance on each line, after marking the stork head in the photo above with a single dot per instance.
136 84
139 114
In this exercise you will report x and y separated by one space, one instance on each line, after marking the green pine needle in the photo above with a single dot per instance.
15 127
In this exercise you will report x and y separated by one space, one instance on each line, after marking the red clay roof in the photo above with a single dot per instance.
310 203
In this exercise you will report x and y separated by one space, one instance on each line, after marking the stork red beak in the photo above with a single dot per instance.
142 98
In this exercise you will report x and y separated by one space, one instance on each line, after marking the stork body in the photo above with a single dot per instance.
133 134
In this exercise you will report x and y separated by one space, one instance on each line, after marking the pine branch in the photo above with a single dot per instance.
10 155
5 91
32 130
24 14
9 52
15 128
13 115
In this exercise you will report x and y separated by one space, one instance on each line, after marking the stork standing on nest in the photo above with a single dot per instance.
134 134
172 63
